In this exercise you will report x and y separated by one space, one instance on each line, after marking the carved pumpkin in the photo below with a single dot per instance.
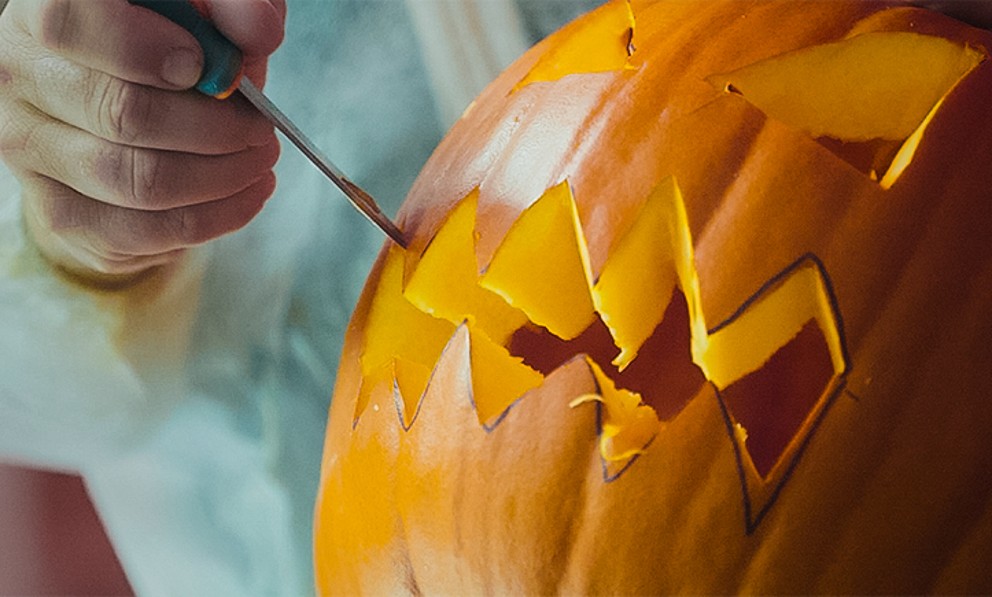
698 299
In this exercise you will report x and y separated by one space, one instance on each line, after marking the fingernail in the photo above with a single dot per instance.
182 67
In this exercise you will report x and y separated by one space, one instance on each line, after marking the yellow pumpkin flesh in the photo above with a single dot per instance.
707 314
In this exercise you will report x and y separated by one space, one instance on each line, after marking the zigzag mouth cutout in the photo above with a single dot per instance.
775 365
639 326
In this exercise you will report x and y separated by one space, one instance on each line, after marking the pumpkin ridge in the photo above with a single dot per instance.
841 325
915 370
965 525
668 203
943 582
408 573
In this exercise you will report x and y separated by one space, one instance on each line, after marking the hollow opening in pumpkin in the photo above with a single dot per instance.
604 41
663 372
868 98
773 402
868 157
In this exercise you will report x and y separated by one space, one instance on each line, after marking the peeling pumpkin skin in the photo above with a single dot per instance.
886 486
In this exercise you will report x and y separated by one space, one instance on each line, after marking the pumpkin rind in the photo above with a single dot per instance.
886 487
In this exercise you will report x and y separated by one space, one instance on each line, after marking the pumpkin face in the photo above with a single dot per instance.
697 300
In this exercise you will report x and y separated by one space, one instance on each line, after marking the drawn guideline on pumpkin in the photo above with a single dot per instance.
658 242
660 279
540 278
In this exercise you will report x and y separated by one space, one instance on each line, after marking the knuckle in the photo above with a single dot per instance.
40 207
106 264
198 224
121 233
109 262
145 167
103 266
138 182
121 110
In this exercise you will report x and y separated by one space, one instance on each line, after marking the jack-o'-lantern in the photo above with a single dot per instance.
697 299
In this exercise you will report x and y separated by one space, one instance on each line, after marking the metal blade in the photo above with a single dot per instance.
358 197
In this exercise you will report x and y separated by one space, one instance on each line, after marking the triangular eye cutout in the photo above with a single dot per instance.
602 41
866 98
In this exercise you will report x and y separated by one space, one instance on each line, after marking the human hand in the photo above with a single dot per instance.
121 168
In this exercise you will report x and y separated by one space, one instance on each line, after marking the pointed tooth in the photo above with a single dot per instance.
445 281
637 280
542 265
395 329
410 380
498 378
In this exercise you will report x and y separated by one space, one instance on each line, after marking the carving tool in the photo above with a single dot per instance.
223 76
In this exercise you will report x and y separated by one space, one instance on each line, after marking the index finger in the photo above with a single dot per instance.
114 37
255 26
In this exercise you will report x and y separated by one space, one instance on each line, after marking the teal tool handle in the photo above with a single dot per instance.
222 67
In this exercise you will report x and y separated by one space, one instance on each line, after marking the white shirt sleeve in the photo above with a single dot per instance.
167 398
78 377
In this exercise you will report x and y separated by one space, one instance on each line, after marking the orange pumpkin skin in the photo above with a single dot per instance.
888 485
